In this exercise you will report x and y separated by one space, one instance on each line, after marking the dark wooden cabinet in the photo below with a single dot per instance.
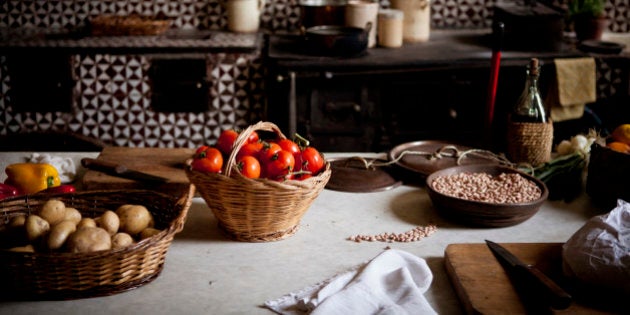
337 113
40 84
435 104
365 111
179 85
436 90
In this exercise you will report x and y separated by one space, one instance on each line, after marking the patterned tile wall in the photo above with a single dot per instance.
112 94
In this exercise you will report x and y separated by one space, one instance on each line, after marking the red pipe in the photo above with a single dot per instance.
492 87
497 30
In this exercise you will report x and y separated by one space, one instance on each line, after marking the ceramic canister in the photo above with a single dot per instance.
243 16
390 28
417 19
360 13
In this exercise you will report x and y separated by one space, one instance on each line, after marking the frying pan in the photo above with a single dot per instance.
336 40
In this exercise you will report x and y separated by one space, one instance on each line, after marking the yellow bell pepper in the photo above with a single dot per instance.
30 178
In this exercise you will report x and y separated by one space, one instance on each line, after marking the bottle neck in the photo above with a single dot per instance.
529 107
531 84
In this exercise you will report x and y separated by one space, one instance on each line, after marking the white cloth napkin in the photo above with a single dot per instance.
394 282
64 165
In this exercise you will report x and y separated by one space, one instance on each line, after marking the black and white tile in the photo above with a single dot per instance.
112 94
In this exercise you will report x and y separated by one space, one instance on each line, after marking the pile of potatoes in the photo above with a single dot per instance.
57 228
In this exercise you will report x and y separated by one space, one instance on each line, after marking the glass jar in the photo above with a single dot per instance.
390 28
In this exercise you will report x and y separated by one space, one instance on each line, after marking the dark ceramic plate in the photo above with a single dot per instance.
351 175
484 214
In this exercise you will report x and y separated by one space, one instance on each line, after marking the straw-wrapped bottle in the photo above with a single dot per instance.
530 131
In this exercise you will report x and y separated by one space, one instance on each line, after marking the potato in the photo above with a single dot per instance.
36 227
59 234
73 215
148 232
89 239
17 222
121 239
109 221
133 218
53 211
23 249
86 222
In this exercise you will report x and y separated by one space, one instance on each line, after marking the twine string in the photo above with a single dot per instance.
447 151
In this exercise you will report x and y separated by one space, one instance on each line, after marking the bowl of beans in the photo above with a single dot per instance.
486 195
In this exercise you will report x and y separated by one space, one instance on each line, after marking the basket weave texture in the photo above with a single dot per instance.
64 276
132 25
257 210
530 142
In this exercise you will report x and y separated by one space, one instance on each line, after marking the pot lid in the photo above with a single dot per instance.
427 156
357 174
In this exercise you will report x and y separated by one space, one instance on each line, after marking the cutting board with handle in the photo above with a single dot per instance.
164 162
484 287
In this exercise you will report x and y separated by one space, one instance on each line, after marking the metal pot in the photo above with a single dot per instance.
337 40
322 12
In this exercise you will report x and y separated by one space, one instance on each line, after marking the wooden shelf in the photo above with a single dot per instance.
173 41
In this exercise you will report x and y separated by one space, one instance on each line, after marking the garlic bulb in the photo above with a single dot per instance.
577 143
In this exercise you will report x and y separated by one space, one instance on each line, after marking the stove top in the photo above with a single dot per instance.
294 46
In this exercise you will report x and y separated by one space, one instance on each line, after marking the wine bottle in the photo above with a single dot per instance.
529 107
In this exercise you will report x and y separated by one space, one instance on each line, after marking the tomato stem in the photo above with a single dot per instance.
301 141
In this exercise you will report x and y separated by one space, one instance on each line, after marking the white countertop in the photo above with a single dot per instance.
207 273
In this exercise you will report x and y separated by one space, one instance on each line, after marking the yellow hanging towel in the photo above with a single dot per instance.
574 87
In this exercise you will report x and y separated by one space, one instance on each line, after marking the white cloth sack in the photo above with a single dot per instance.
64 165
394 282
598 254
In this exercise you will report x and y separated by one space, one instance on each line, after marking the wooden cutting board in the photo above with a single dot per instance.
163 162
483 286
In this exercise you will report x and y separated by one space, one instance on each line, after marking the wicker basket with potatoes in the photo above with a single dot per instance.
86 244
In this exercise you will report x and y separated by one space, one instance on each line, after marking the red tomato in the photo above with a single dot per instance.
289 176
312 160
253 137
226 141
300 173
268 151
280 165
200 149
252 148
248 166
210 161
289 145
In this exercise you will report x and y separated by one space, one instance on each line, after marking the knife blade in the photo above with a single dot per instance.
120 170
538 283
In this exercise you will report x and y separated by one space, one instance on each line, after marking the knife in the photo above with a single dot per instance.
120 171
537 282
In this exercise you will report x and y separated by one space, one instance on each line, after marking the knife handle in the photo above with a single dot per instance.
558 298
102 166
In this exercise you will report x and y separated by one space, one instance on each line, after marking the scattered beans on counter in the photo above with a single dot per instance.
503 188
413 235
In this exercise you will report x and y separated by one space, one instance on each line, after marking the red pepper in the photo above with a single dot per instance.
61 189
7 191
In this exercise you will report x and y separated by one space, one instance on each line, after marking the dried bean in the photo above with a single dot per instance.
413 235
503 188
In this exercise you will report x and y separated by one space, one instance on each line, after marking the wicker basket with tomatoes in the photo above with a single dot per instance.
257 182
